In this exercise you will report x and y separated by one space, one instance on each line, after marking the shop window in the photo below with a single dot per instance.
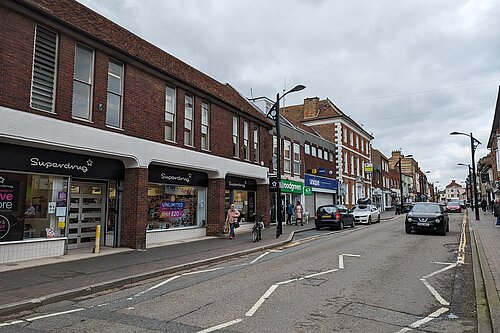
188 120
44 70
175 206
205 125
82 82
170 113
115 92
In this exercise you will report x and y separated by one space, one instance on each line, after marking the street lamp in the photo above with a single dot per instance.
401 182
470 179
436 191
473 145
274 114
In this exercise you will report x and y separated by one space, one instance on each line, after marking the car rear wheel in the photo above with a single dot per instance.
370 220
353 224
341 225
407 229
378 219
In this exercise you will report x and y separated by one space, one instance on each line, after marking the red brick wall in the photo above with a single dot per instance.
215 207
134 208
263 200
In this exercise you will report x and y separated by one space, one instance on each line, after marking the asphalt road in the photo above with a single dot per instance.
368 279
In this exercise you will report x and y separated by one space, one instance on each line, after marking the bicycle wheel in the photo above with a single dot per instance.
255 236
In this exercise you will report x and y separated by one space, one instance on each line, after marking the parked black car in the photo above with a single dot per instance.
333 216
427 216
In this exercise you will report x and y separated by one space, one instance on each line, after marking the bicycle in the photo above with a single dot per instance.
257 229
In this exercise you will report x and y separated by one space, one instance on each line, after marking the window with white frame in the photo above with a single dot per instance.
170 113
205 125
363 169
246 141
362 145
307 149
325 155
296 158
256 155
115 93
347 193
236 133
188 120
345 135
275 153
82 82
331 156
358 171
287 156
320 153
313 151
351 138
346 163
43 79
367 150
352 164
357 141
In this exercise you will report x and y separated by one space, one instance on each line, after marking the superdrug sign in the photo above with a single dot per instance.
165 175
21 158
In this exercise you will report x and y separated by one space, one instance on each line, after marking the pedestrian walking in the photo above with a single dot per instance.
496 211
289 212
484 204
299 213
231 219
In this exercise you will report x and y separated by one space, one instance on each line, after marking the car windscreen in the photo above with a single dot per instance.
327 210
426 209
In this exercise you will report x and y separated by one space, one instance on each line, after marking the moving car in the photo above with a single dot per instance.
366 214
333 216
453 206
427 216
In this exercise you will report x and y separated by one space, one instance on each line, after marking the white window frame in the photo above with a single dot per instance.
116 93
320 153
89 84
307 149
205 125
287 156
357 141
189 120
352 164
358 172
236 136
351 138
345 135
170 112
296 158
256 151
346 163
246 140
313 151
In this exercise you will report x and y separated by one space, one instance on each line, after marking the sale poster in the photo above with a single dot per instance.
171 209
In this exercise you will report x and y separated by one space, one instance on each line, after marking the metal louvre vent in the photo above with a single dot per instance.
44 70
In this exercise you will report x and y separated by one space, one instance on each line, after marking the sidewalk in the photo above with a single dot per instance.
486 242
28 284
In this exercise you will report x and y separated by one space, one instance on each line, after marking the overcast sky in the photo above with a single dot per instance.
409 71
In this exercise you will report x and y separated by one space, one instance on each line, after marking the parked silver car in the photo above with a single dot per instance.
366 214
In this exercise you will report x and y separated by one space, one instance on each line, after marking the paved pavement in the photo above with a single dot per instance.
26 285
486 243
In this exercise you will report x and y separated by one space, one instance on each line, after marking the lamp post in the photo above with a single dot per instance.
276 117
470 187
401 182
436 191
473 145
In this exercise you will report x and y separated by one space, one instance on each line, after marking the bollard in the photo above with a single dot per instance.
97 239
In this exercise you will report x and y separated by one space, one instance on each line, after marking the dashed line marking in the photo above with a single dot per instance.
261 300
425 320
440 271
435 293
54 314
259 257
218 327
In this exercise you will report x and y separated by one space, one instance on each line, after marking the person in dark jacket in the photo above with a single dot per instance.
496 211
484 204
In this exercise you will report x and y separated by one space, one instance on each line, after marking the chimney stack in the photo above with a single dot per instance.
311 107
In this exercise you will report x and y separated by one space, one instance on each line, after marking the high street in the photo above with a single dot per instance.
368 279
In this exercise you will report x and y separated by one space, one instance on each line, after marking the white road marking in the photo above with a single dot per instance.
435 293
15 322
203 271
440 271
261 300
259 257
54 314
285 282
321 273
218 327
425 320
341 259
158 285
441 263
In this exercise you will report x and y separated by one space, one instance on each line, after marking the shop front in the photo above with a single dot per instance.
242 193
324 192
54 200
176 204
291 192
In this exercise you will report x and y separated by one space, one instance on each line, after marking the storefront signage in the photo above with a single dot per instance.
21 158
170 209
166 175
290 186
322 171
368 168
11 228
236 183
320 182
308 190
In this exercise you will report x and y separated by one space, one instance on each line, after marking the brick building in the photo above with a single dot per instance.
100 127
381 191
493 145
353 144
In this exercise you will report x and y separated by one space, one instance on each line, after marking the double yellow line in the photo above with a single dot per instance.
463 240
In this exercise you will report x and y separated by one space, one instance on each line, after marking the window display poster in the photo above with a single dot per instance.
11 227
171 209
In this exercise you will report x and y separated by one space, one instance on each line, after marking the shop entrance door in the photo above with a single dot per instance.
87 210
